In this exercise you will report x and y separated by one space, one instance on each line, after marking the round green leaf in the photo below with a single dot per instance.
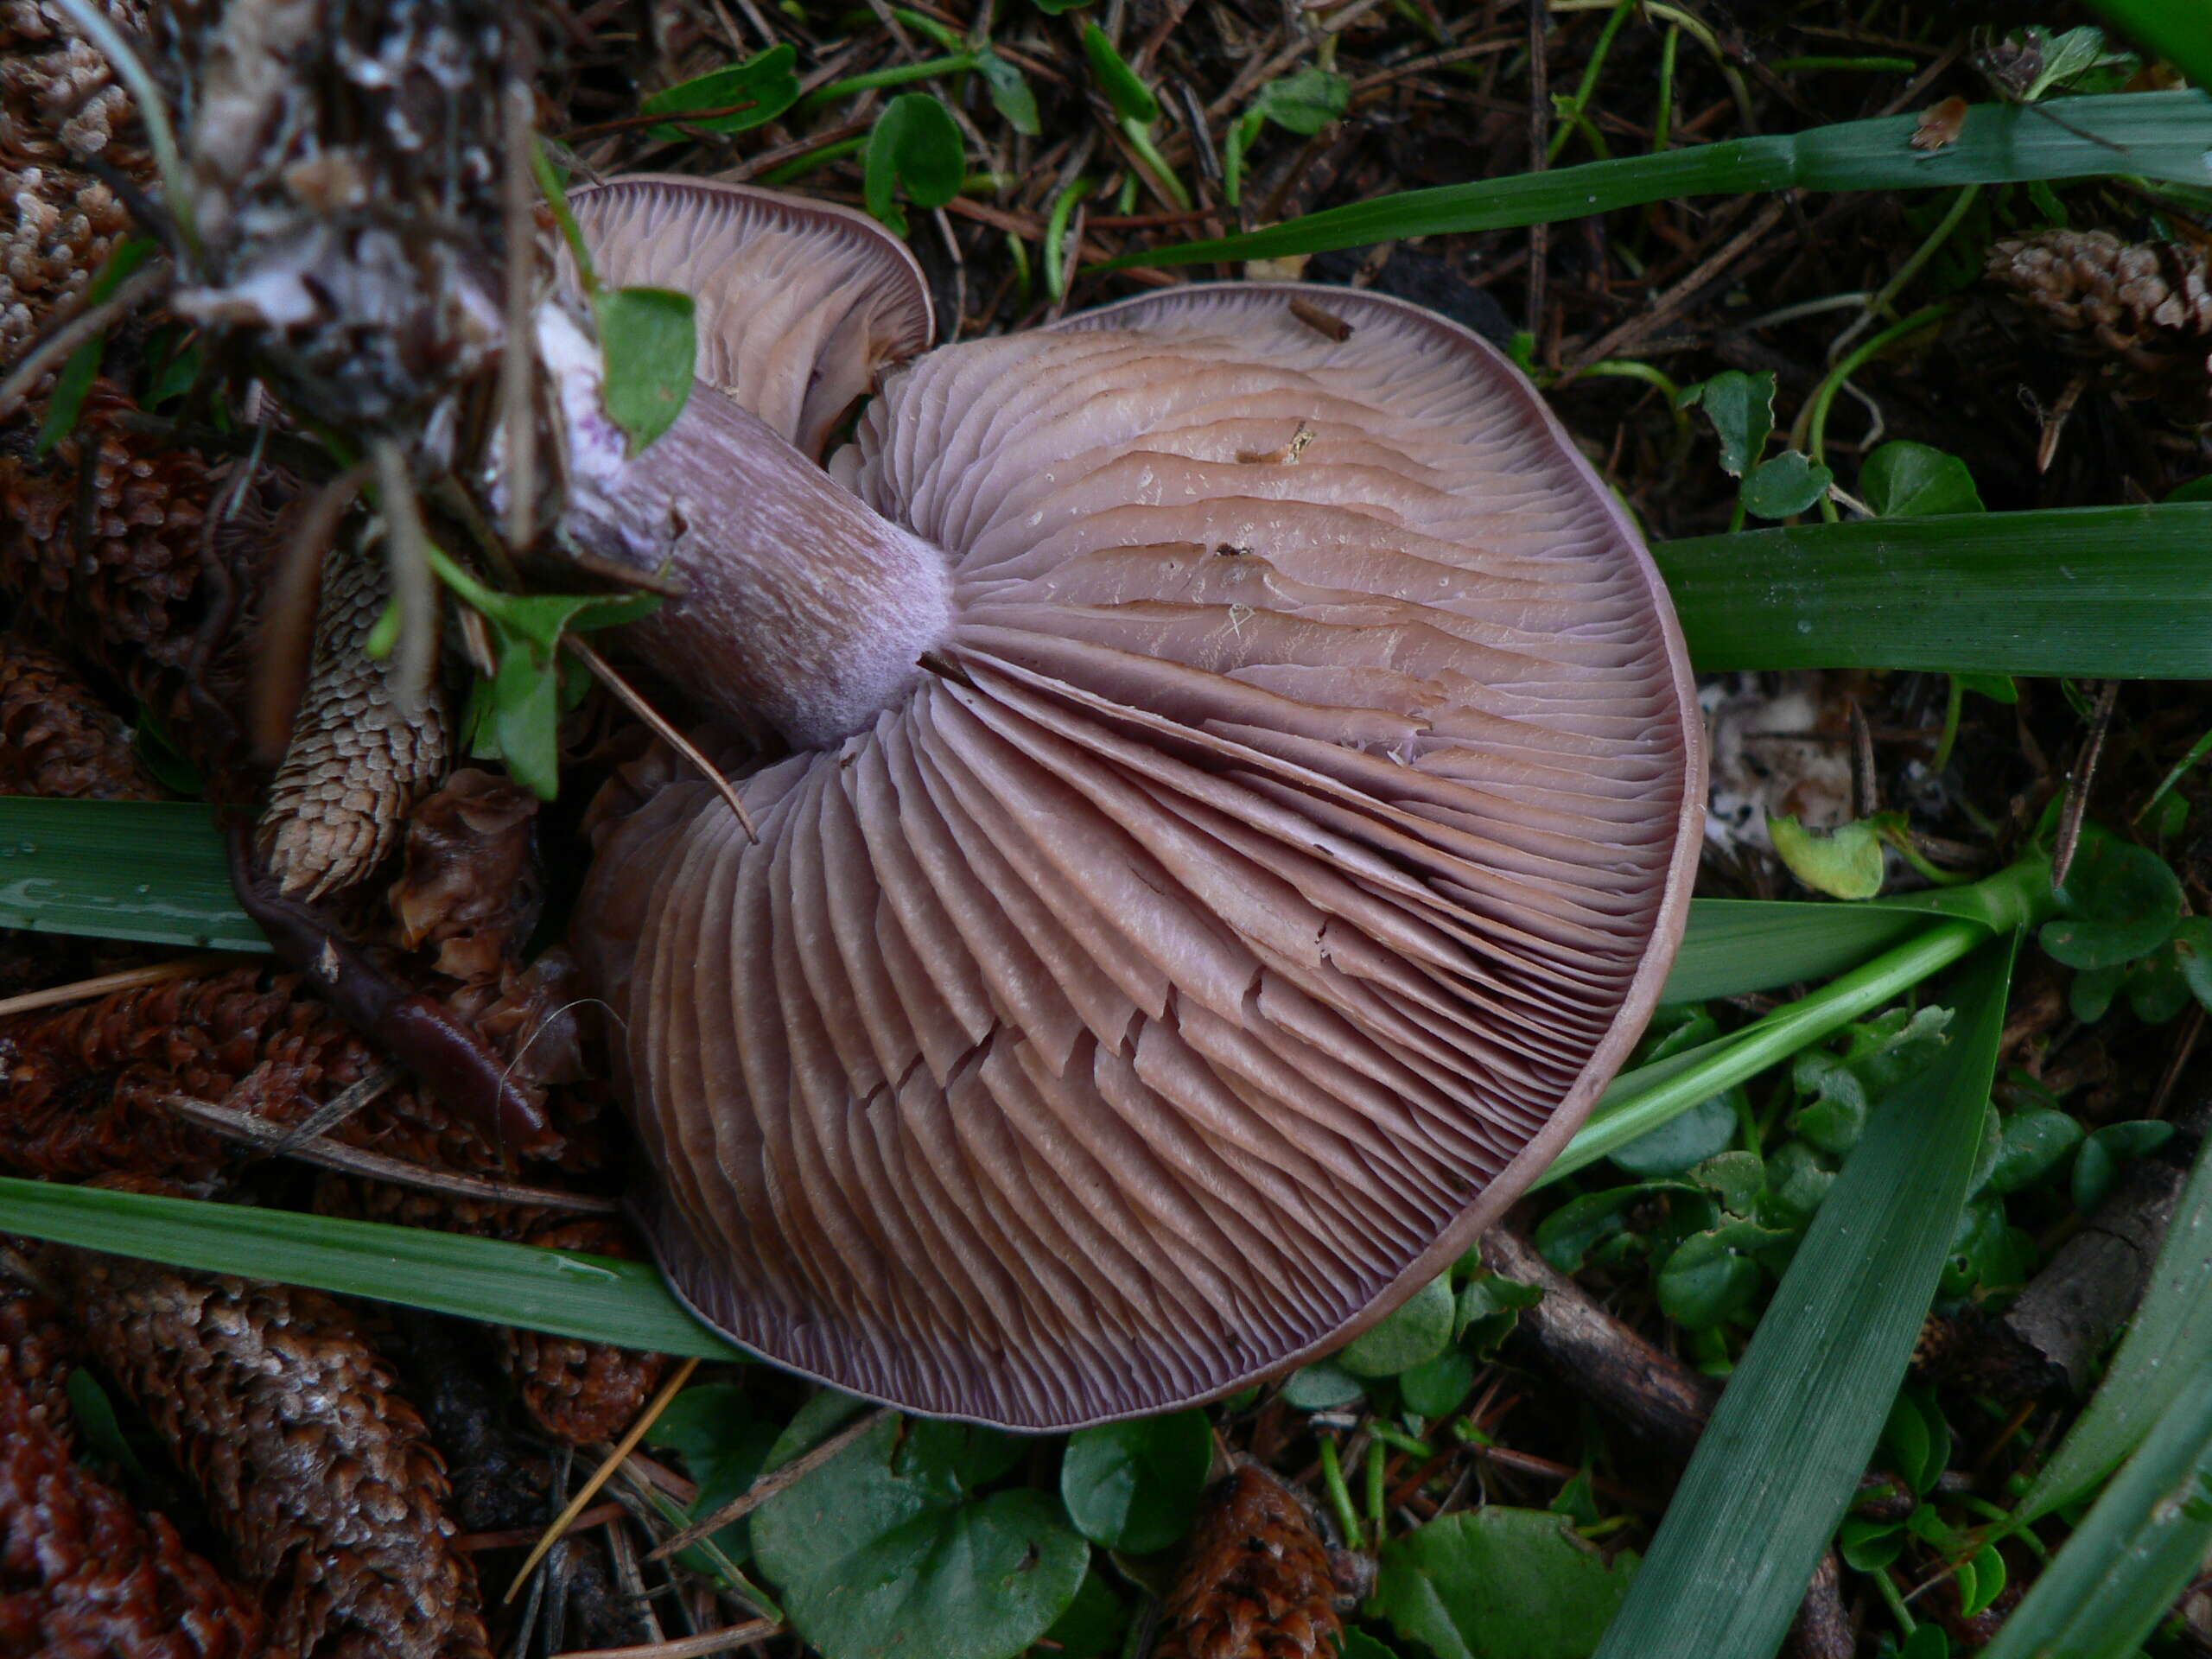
1436 1386
2193 950
873 1566
915 145
2121 902
1680 1142
1318 1388
1133 1485
1708 1280
1788 484
1417 1332
1502 1583
1903 478
2036 1140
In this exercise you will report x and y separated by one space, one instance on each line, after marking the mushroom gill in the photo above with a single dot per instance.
1281 848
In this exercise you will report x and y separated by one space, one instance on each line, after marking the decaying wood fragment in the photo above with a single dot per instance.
1597 1355
357 763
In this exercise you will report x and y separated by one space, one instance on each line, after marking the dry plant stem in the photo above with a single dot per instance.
1539 145
518 358
1599 1357
413 586
335 1110
623 1447
605 673
2077 786
289 634
352 1161
1630 335
84 990
767 1486
736 1636
74 333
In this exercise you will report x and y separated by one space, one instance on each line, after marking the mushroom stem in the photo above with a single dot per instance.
802 607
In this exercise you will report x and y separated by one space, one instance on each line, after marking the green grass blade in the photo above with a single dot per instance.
1736 945
565 1292
2169 1344
2101 592
1640 1101
1782 1458
150 870
2137 1550
2178 30
2149 135
123 869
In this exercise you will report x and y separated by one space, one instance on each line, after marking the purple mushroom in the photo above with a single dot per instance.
1243 791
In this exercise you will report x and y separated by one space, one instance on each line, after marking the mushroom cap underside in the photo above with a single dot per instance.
1287 846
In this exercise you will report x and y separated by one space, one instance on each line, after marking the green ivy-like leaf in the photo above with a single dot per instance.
1903 479
1415 1333
1499 1583
1741 408
916 146
1788 484
2101 1155
2036 1141
1682 1143
875 1566
2121 901
1134 1485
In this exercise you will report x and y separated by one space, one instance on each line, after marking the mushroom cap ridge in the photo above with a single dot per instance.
945 1109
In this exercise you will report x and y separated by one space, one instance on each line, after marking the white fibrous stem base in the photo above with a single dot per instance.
804 607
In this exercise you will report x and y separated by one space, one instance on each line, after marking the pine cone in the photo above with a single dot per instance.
56 737
578 1391
357 763
1257 1583
83 1082
2149 304
322 1478
58 102
81 1575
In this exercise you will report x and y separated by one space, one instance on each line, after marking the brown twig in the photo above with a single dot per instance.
1664 309
68 336
684 1647
637 704
767 1486
1598 1356
84 990
577 1504
288 630
2077 786
662 118
356 1160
